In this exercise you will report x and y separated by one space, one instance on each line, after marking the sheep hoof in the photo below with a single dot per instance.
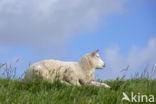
107 86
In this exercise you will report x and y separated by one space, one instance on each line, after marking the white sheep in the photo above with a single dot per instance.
76 73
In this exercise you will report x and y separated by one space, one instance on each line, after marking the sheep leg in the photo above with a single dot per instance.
64 82
71 82
105 85
78 83
95 83
75 82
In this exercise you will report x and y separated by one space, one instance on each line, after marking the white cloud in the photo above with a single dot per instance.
44 23
137 59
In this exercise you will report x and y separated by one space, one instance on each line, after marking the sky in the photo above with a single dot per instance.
123 30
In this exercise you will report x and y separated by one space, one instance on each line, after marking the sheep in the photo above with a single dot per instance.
70 73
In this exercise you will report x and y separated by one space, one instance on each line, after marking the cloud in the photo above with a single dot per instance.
137 59
48 23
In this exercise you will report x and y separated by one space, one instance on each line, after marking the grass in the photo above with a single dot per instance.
15 91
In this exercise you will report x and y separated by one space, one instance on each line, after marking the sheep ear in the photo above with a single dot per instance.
95 52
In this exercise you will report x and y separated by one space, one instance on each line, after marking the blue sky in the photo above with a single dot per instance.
123 30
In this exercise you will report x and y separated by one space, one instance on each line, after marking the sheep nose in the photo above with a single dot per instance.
104 65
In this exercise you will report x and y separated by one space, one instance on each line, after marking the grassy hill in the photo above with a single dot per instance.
18 92
38 92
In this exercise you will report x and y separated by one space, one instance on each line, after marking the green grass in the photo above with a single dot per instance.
18 92
38 92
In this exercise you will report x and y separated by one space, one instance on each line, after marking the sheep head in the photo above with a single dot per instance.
92 61
96 60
